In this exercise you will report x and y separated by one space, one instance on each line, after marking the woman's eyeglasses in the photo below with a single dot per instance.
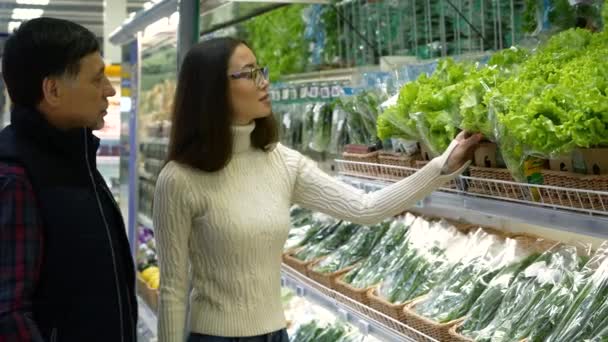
258 75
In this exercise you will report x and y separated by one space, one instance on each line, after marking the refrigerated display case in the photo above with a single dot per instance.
504 207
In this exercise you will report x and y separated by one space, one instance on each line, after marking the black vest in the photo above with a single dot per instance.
86 290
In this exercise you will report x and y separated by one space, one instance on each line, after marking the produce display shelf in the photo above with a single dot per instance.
368 320
573 214
145 221
147 324
147 176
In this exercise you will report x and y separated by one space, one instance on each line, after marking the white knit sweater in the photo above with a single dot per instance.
229 227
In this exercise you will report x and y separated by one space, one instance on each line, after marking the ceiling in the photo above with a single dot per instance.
88 13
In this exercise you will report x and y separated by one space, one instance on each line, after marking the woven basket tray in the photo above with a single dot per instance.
378 303
297 264
455 336
371 157
326 279
362 170
438 331
392 159
576 199
359 295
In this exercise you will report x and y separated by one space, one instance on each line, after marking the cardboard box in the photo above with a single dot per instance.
563 164
596 160
425 152
485 155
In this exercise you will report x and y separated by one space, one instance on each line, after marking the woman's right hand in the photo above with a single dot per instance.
467 144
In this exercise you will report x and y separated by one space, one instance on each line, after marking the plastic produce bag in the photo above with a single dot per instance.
319 231
358 247
532 285
381 259
586 318
322 125
337 238
432 248
457 291
339 134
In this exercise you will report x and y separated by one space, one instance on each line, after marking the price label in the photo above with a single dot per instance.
313 92
303 92
285 94
325 92
293 93
336 91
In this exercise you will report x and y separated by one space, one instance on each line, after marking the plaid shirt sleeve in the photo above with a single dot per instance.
20 255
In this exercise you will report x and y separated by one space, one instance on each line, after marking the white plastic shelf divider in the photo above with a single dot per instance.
568 209
368 320
147 325
145 221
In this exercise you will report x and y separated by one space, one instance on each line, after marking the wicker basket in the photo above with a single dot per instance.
297 264
378 303
326 279
597 183
494 189
455 336
438 331
359 295
362 170
399 160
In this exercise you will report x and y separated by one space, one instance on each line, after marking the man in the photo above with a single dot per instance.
66 273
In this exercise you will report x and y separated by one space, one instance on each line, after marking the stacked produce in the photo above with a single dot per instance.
454 295
541 104
373 269
503 288
539 299
556 101
357 248
361 112
432 249
328 239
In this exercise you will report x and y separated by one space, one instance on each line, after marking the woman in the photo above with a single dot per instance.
222 202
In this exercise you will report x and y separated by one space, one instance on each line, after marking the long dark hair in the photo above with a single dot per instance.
201 134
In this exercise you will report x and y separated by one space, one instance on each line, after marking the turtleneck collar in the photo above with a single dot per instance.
242 137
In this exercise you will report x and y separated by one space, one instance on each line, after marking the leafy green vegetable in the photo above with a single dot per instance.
322 125
529 300
587 315
330 243
356 249
485 307
277 39
372 271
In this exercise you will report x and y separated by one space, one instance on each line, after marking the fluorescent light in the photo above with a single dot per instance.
33 2
26 13
13 25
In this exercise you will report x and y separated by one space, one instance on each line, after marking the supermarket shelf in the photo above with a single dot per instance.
218 14
369 321
477 209
147 325
127 32
145 221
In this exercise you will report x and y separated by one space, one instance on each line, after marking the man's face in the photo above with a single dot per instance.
84 99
